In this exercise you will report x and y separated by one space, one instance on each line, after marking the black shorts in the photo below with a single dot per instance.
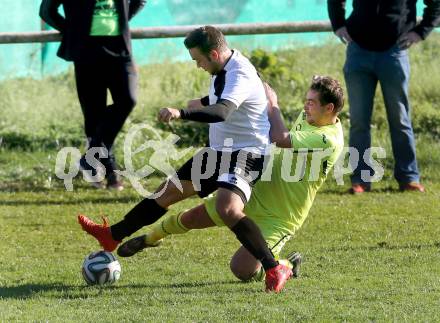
210 169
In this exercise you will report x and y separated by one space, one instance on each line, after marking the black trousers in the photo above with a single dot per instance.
103 122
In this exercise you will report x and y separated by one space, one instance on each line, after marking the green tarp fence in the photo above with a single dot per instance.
36 60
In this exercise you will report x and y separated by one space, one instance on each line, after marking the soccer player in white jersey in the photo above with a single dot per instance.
278 206
236 110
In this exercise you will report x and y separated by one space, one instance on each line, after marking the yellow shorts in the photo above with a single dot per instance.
274 230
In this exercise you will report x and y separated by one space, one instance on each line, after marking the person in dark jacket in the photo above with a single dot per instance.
378 34
96 37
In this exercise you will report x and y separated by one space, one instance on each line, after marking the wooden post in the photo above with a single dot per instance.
181 31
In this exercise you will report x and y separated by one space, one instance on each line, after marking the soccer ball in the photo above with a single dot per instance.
101 268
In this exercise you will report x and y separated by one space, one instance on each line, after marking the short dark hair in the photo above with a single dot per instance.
330 91
206 39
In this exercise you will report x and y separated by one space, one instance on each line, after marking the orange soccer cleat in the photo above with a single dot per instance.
100 232
277 277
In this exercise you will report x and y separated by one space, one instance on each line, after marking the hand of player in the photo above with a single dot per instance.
196 103
168 114
343 35
272 98
408 39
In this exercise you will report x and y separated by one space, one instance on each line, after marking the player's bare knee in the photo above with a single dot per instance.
243 265
167 189
196 218
229 215
242 273
168 194
189 218
223 211
173 191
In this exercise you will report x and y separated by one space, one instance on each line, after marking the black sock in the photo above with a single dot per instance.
145 213
249 234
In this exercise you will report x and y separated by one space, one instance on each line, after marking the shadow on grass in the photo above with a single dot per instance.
30 290
344 190
26 291
75 200
38 184
383 245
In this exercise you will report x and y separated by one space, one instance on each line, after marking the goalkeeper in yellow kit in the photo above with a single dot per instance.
280 201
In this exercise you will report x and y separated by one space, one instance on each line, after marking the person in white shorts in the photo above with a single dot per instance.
236 110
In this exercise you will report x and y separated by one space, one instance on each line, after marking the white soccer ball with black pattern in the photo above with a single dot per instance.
101 268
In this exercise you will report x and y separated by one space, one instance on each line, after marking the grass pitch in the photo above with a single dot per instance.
373 257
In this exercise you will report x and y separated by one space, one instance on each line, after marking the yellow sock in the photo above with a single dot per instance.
286 263
165 227
259 275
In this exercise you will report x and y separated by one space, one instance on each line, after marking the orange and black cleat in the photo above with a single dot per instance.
100 232
277 277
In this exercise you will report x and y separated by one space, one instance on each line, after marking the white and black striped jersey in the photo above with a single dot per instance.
248 126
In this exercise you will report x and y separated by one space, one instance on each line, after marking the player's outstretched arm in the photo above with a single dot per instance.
198 103
279 134
194 104
217 112
168 114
